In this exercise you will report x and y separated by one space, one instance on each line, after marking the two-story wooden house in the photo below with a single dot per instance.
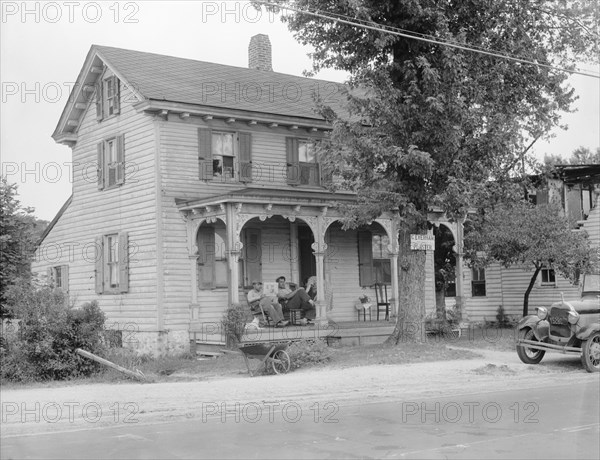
190 180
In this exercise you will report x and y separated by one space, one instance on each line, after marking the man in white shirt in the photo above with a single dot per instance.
297 299
269 304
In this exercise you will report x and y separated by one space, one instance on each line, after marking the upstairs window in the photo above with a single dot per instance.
478 282
111 162
302 165
224 148
108 97
548 277
224 156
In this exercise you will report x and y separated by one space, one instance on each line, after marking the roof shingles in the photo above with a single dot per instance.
167 78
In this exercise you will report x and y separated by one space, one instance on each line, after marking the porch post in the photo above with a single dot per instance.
233 254
320 306
319 248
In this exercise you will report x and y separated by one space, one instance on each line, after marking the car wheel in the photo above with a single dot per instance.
590 353
529 355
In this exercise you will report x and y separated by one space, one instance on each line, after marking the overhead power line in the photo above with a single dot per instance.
386 29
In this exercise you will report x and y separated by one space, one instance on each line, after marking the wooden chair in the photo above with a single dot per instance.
382 303
257 310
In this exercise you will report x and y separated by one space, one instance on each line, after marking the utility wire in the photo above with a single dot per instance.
386 29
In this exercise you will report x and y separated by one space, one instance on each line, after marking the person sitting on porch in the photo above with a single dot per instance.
269 304
297 299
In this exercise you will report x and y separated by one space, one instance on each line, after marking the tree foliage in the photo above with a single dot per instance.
429 124
579 156
424 124
17 239
529 237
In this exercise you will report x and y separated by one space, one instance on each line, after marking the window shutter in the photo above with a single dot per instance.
365 258
120 140
100 169
326 172
293 169
245 164
205 153
99 265
99 101
64 275
206 257
123 262
50 274
117 98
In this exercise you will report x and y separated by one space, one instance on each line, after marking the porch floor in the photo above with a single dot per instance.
335 333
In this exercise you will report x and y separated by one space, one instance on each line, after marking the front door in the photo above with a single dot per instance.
307 263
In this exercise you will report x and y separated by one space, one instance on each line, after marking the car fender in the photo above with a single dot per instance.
585 332
539 326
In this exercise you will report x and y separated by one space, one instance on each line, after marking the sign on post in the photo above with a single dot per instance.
422 242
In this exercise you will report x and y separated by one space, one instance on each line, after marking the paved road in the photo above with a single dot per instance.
559 421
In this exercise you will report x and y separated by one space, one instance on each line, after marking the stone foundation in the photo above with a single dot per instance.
158 343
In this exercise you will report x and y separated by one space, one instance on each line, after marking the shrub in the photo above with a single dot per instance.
308 352
233 322
49 332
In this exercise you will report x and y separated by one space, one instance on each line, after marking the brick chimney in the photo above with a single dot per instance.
259 53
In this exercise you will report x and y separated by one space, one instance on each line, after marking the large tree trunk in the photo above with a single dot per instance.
411 301
528 291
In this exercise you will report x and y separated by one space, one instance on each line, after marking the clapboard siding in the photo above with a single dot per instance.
179 155
592 225
92 213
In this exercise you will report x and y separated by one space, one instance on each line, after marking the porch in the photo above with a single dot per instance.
262 234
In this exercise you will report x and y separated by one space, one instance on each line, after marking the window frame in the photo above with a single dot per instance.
234 156
242 155
369 266
295 168
549 273
106 264
478 281
111 171
108 103
212 263
58 276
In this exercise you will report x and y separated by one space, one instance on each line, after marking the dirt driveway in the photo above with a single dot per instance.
36 410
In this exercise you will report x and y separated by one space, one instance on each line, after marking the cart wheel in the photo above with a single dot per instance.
281 362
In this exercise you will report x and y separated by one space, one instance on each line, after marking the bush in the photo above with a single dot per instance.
308 352
234 322
49 331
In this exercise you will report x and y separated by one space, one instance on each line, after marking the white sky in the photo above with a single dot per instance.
43 50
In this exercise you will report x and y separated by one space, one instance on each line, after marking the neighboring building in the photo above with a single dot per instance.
576 189
190 180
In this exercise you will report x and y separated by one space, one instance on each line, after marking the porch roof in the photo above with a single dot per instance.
268 196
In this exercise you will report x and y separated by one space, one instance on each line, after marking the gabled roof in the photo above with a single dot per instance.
156 77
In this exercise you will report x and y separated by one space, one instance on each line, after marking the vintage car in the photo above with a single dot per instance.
567 327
